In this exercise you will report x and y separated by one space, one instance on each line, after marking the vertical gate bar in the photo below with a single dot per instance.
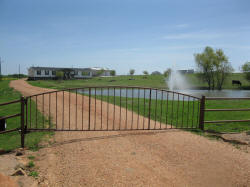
161 107
126 108
56 110
89 106
202 112
49 109
82 105
177 110
172 116
101 108
156 95
149 107
36 111
30 112
114 112
63 112
95 109
193 114
182 110
198 114
69 109
76 110
138 108
22 121
132 108
188 111
120 108
43 112
144 95
167 110
108 110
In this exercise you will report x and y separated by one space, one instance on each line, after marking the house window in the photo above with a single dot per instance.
53 72
46 72
38 72
85 73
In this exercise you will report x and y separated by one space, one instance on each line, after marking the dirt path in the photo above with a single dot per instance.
169 158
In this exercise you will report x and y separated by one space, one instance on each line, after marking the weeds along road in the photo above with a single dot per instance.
137 158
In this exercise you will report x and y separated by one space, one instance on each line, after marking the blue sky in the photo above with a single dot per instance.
121 34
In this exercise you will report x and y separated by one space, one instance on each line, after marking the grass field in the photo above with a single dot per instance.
183 117
156 81
10 141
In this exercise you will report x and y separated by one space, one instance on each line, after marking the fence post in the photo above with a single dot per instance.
22 121
202 112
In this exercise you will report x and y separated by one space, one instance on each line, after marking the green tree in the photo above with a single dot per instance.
167 72
99 72
246 70
59 75
131 71
222 68
145 72
112 72
213 67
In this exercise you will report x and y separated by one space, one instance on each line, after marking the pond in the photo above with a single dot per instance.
141 93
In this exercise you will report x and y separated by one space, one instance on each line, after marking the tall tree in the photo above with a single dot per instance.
213 67
222 68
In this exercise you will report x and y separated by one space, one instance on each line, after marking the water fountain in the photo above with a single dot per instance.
177 81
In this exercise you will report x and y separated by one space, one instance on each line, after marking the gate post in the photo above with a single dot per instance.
22 121
202 112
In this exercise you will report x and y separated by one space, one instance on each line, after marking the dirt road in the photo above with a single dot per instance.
169 158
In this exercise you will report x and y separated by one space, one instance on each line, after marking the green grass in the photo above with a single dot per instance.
33 174
31 157
187 119
146 81
10 141
30 164
156 81
231 115
162 111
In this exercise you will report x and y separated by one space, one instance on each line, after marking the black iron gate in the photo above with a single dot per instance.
111 108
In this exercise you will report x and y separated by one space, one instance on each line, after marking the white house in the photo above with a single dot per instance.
37 73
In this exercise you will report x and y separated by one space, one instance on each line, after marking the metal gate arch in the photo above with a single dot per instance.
111 108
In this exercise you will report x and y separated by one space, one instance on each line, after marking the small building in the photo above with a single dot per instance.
41 73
